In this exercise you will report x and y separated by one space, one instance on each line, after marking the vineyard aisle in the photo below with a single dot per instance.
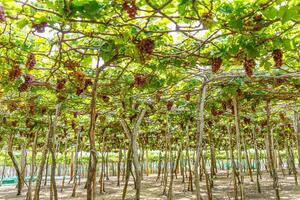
149 100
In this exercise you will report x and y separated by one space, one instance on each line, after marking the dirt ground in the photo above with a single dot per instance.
151 190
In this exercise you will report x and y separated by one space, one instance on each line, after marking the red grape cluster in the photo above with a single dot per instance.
158 95
224 105
29 79
73 124
257 18
79 76
247 120
43 110
61 98
216 64
71 64
87 82
214 112
60 84
12 106
239 92
207 19
188 96
79 91
207 15
169 105
31 107
75 114
15 72
14 123
29 123
277 56
249 64
105 98
83 81
40 28
23 87
282 117
2 15
139 80
279 81
31 62
146 46
130 8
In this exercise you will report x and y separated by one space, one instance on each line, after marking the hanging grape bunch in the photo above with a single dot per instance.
249 65
257 18
60 84
239 92
247 120
29 123
31 108
188 96
83 82
279 81
139 80
73 124
87 83
216 64
282 117
14 123
61 97
31 62
40 28
207 20
158 95
105 98
23 87
258 22
12 106
146 46
15 72
71 64
277 56
130 8
79 91
169 105
80 77
2 14
75 114
29 79
214 112
43 110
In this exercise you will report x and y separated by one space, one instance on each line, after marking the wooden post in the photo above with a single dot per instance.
272 168
297 133
200 133
238 138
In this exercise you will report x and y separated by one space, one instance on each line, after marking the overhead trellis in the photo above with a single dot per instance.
149 74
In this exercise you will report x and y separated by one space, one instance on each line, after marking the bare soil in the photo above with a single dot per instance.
151 190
